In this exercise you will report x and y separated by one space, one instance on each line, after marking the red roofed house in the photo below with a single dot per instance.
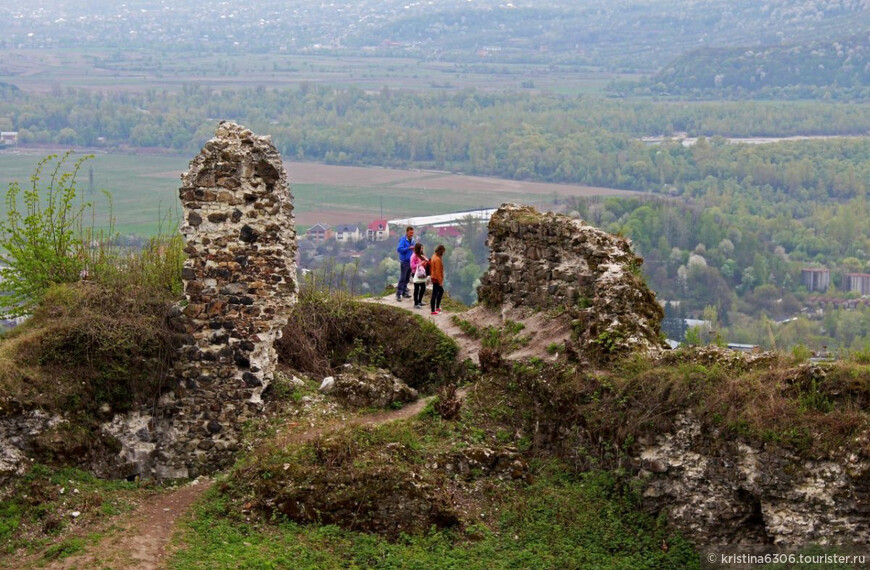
379 230
449 232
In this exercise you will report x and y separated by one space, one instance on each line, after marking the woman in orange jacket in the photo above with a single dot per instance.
436 270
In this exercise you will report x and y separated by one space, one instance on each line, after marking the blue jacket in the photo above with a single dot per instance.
405 249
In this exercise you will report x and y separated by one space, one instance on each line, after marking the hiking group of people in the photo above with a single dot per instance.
416 268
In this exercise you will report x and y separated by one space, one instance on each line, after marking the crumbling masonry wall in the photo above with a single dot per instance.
240 284
546 260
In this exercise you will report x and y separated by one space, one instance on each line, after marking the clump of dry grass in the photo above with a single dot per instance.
448 403
594 418
88 345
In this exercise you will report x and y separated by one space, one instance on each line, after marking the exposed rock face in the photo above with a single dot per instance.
725 492
17 435
133 432
361 388
240 284
549 260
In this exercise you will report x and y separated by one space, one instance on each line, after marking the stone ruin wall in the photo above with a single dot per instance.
546 260
717 489
240 285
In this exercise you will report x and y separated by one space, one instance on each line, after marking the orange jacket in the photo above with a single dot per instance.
436 270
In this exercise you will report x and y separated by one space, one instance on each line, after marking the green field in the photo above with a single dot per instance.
346 201
102 70
144 188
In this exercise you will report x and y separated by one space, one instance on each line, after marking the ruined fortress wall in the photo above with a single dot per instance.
240 284
545 261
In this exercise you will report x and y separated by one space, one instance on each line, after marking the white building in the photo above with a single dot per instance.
345 233
441 220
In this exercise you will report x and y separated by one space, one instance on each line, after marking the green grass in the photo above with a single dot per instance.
65 548
453 305
466 327
142 187
37 507
367 199
507 337
591 520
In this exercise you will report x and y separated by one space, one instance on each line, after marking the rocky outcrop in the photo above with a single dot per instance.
358 387
17 439
725 492
240 285
546 260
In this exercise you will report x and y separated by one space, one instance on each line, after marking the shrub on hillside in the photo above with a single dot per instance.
368 479
595 418
44 242
89 351
88 346
327 330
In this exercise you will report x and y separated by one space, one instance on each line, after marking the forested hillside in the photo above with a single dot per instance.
511 134
731 225
826 68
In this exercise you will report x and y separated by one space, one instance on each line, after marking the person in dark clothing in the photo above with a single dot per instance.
436 269
405 249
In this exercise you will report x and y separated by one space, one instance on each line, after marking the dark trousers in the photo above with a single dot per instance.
404 277
419 291
437 293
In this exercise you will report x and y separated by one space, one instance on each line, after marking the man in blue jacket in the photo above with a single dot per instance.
405 249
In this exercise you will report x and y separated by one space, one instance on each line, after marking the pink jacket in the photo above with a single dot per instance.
415 262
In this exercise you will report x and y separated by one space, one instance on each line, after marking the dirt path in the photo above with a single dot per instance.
141 542
541 330
468 347
375 419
